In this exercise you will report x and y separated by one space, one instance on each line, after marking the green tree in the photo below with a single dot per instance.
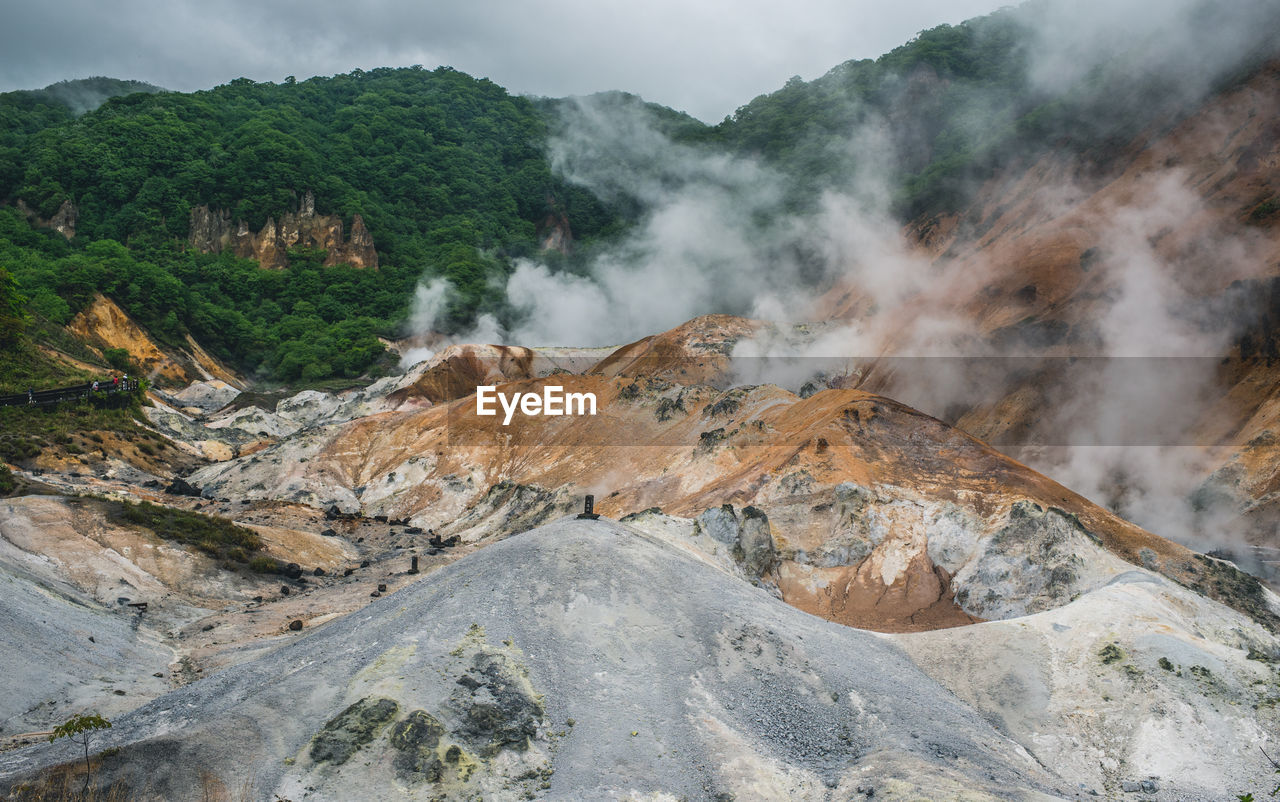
80 729
13 317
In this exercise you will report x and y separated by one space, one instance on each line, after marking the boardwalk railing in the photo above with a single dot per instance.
75 393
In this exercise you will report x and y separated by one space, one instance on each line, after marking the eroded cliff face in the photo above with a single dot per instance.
213 232
555 233
63 220
103 324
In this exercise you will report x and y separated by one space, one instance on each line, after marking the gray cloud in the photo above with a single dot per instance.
706 58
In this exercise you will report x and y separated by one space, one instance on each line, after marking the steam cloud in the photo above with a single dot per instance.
719 236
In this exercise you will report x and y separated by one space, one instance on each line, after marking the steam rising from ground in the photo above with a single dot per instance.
720 234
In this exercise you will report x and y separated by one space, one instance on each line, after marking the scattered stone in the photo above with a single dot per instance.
206 627
374 595
364 563
292 570
413 530
348 571
329 533
181 487
158 675
284 590
335 514
319 571
382 587
295 625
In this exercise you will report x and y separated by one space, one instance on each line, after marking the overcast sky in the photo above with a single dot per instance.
706 57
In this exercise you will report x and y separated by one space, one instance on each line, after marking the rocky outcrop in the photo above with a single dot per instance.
63 220
555 233
213 232
748 536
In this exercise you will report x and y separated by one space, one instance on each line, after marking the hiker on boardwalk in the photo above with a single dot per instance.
95 385
31 395
115 383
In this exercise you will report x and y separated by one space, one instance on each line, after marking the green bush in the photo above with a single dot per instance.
118 358
219 538
264 565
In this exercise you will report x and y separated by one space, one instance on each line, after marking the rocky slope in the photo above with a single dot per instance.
874 514
1167 247
591 660
1121 658
612 667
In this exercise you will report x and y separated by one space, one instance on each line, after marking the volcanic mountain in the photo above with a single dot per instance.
893 547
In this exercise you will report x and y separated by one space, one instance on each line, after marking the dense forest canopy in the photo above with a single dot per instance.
447 171
451 175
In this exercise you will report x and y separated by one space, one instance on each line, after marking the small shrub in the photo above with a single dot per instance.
118 358
1263 210
264 565
667 408
1111 654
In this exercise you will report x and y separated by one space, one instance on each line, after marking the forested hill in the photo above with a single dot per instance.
447 171
958 102
450 174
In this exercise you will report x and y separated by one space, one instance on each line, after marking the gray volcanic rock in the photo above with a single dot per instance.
61 651
207 396
583 659
308 408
